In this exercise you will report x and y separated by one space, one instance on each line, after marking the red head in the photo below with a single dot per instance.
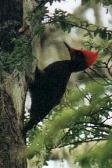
91 56
82 58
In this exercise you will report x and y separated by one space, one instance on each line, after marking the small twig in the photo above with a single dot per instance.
102 77
107 66
91 77
106 120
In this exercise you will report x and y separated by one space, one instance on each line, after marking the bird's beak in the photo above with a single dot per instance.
69 48
72 51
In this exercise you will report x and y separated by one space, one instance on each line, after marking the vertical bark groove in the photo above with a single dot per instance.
11 140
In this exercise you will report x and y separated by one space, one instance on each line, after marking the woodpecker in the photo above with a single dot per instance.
49 84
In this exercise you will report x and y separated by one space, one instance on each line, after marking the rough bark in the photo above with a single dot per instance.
12 91
11 10
11 18
12 147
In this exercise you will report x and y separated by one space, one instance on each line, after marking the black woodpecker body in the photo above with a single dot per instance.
50 84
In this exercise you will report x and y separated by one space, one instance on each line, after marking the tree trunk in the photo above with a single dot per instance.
12 91
12 146
11 10
11 18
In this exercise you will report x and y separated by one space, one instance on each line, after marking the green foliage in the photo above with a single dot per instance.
20 58
104 46
103 33
65 21
99 156
40 18
81 117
